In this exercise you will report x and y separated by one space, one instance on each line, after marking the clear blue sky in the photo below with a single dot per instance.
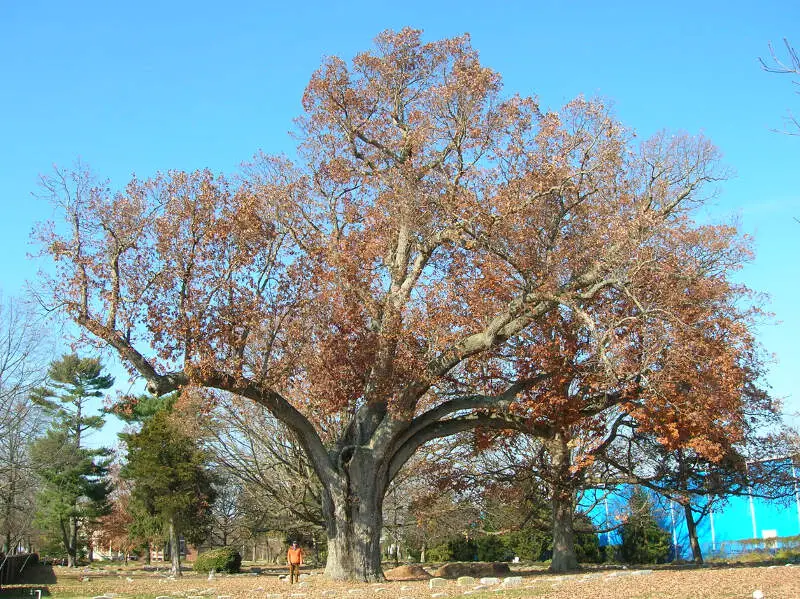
146 86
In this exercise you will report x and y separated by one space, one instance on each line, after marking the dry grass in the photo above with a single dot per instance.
776 582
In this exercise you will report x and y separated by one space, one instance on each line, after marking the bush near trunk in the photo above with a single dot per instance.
224 559
529 544
643 540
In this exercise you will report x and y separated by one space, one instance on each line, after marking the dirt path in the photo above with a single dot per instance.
776 582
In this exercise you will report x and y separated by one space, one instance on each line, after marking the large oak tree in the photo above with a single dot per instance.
366 293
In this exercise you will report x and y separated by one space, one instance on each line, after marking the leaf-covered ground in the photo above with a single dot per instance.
776 582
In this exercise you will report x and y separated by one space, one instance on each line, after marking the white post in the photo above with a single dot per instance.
752 505
713 533
796 494
674 533
608 532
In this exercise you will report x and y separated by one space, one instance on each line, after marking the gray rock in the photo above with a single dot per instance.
437 583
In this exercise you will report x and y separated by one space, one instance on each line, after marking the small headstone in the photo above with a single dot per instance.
303 577
302 585
211 574
516 559
439 595
436 583
224 596
355 591
207 592
758 594
406 588
380 590
328 593
164 597
465 581
512 581
480 587
85 579
641 572
489 580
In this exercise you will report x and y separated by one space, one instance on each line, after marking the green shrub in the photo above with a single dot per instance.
643 540
462 550
439 553
491 548
224 559
587 548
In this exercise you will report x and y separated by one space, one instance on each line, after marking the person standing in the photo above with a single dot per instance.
294 557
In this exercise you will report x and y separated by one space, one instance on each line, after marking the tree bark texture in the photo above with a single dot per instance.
563 508
354 516
174 549
72 545
691 527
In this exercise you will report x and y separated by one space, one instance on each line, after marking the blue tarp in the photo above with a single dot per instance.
721 532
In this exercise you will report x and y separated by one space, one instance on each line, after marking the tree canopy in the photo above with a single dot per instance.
393 286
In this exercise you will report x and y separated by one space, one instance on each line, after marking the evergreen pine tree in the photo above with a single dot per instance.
74 485
171 481
643 540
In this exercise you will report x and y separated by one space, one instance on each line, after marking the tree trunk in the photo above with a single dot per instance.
563 505
72 546
175 549
691 527
354 519
564 558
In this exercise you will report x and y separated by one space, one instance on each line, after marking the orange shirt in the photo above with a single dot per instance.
294 556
